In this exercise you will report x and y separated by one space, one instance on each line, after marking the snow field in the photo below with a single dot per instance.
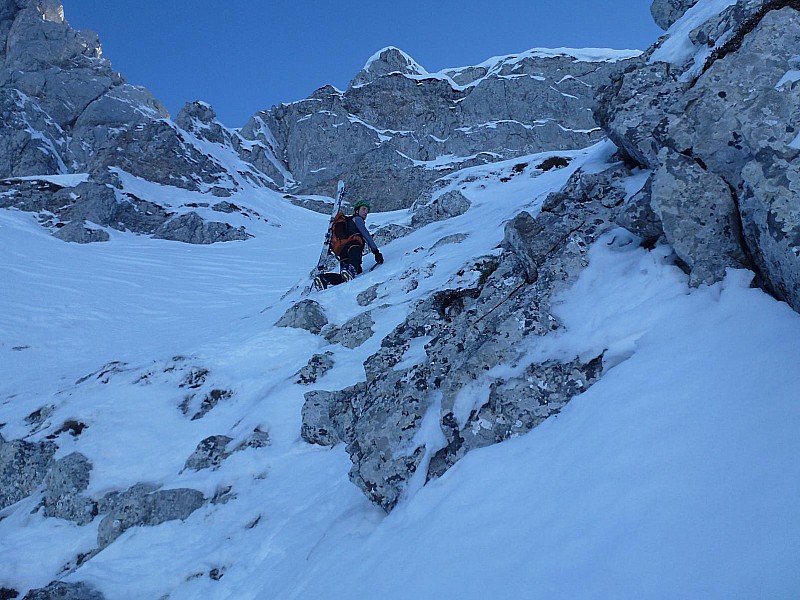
674 476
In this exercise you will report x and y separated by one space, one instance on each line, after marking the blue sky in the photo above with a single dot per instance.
242 56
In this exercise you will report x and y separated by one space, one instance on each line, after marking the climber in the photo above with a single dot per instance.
349 236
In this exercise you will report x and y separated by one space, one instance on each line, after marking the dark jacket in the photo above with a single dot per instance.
355 224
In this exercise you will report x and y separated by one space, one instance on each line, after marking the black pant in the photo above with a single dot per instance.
352 255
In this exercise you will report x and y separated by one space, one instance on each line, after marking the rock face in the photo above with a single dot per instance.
65 110
431 394
715 116
54 74
388 133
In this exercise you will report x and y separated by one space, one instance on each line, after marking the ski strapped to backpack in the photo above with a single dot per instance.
326 245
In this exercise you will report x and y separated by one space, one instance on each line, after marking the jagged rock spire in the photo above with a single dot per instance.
383 62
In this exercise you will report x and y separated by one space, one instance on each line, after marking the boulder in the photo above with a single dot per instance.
306 314
444 206
771 222
638 217
144 505
209 453
317 366
329 417
64 484
78 232
23 467
213 450
353 333
699 217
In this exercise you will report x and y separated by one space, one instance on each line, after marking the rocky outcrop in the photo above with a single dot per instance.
81 212
437 208
60 590
161 152
431 392
666 12
25 466
714 115
389 60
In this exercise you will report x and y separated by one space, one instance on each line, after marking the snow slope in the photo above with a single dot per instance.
674 476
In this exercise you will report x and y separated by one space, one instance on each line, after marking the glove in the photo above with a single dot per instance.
378 257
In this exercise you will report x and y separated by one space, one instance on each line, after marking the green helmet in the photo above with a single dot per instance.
361 203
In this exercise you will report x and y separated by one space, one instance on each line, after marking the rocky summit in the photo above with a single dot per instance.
679 167
398 128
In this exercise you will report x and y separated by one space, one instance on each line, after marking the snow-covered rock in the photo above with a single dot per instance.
470 385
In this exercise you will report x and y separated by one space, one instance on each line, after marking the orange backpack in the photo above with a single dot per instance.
339 237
